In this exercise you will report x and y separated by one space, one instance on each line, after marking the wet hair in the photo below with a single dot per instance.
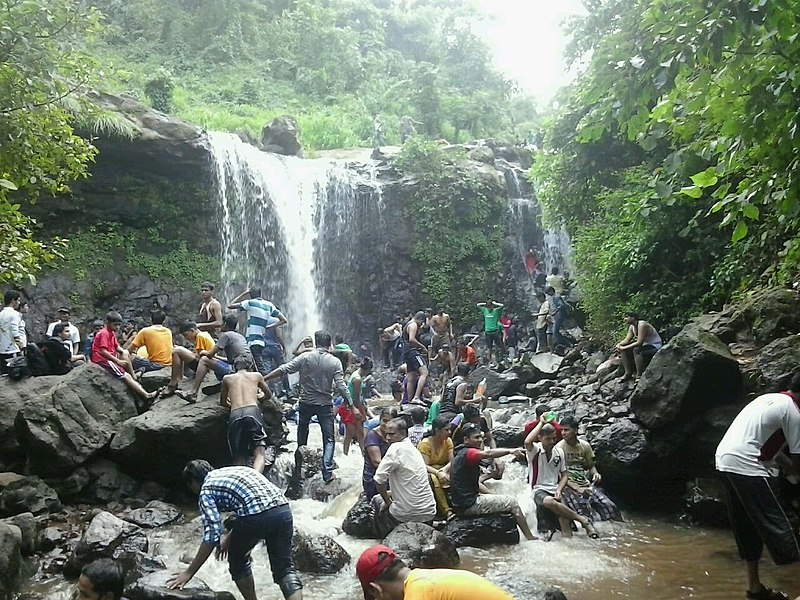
401 424
569 421
59 329
547 430
554 271
366 364
550 291
105 576
440 423
338 339
322 339
471 411
113 317
541 409
255 292
158 317
187 326
417 415
230 322
10 296
207 284
242 362
794 385
632 314
195 471
462 369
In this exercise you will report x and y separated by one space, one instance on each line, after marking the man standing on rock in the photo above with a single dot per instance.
10 339
403 470
247 436
442 328
414 352
261 316
262 514
465 496
209 317
492 330
763 439
320 372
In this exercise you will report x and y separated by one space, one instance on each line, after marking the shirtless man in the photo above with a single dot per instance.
247 437
414 352
391 345
442 328
447 361
209 317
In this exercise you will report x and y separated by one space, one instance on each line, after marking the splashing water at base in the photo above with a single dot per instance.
642 558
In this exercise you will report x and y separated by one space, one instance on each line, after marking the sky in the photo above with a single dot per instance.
527 40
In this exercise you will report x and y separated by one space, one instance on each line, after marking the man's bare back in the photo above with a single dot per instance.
240 389
440 323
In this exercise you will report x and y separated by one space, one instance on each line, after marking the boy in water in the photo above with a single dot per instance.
247 437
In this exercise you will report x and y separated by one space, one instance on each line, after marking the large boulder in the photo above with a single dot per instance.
508 436
316 553
29 494
705 502
282 137
13 396
27 526
693 373
481 531
109 537
155 514
420 546
10 560
74 421
776 362
360 521
759 318
157 444
621 454
107 483
154 587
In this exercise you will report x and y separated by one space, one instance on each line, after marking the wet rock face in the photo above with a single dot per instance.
282 137
153 587
27 527
483 531
10 560
315 553
29 494
776 362
508 436
705 503
73 421
360 521
420 546
155 514
109 537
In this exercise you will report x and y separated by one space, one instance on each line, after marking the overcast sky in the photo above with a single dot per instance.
528 41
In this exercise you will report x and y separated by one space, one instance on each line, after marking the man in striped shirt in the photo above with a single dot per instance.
261 315
262 513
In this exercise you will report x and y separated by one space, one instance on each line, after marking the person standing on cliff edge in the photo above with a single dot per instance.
762 439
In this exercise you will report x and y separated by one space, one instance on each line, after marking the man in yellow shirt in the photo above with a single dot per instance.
383 576
158 341
184 357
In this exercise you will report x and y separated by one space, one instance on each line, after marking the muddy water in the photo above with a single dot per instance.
644 558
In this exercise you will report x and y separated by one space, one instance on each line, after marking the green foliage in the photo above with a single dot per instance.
457 218
238 63
108 246
159 91
41 72
687 116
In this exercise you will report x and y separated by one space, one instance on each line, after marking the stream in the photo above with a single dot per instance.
645 557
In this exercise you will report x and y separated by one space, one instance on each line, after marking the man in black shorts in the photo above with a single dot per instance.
247 437
414 358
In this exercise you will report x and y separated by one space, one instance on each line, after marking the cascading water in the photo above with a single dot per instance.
280 222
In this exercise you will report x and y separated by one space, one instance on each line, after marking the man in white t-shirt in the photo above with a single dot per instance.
75 336
403 470
10 340
547 468
748 459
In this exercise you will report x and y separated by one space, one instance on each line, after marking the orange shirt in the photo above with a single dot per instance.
158 341
469 356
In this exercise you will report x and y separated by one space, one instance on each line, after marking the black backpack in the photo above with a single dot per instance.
18 368
37 363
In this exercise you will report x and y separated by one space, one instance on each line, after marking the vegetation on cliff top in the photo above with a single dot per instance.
674 162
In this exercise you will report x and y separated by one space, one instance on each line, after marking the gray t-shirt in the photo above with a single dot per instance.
233 344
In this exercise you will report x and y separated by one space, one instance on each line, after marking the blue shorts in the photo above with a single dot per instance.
221 368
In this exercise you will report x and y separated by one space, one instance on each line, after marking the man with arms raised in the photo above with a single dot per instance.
262 514
247 437
403 470
261 316
762 439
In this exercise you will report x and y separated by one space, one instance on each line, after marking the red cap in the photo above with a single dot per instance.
371 564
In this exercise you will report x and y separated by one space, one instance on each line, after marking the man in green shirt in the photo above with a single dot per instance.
492 329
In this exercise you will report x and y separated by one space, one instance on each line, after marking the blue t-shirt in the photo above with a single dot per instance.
260 315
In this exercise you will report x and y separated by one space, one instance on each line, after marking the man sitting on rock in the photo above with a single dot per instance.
247 436
582 494
262 514
465 496
457 393
57 352
75 335
383 576
234 345
402 470
490 469
543 412
157 339
639 346
548 476
102 579
184 358
107 353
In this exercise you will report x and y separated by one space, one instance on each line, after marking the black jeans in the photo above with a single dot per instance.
324 416
275 528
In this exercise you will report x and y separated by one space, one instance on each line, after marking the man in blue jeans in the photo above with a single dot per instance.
558 314
319 372
262 514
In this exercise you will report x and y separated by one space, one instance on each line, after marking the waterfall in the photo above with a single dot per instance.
287 224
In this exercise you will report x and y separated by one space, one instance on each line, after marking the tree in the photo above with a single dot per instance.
41 75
